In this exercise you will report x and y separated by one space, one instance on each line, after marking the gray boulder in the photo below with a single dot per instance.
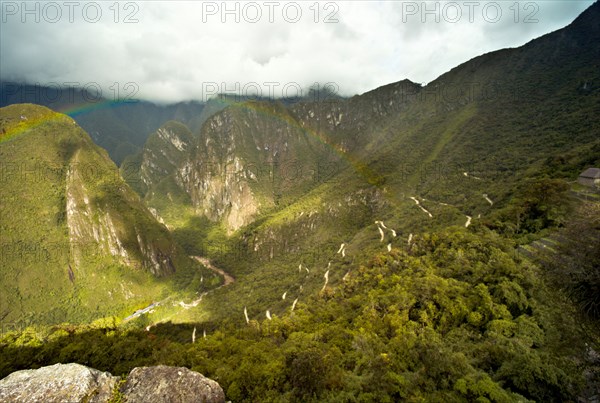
162 384
75 383
58 383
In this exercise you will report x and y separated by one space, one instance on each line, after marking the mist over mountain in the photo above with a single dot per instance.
415 242
186 52
119 125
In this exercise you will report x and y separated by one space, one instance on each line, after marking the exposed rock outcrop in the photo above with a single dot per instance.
170 384
163 152
58 383
114 219
255 156
77 383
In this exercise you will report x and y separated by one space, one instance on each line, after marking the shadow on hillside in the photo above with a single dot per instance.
117 351
193 236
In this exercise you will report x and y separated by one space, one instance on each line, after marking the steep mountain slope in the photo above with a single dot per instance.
250 159
258 156
74 235
507 110
162 154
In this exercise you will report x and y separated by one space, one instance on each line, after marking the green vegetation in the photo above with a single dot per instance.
82 245
117 396
444 253
575 265
455 317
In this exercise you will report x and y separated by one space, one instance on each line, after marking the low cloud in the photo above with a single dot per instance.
176 51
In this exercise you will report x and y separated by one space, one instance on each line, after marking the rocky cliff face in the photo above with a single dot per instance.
88 220
101 208
163 152
251 157
220 173
76 383
347 119
255 156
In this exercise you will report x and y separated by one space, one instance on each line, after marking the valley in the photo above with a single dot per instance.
154 308
396 245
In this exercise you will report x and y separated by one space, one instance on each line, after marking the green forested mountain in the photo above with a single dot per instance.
384 247
77 243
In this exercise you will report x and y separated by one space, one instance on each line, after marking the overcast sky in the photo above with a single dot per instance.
171 51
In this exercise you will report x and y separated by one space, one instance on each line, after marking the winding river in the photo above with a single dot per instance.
228 279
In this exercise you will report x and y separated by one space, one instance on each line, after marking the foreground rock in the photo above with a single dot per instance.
77 383
170 384
58 383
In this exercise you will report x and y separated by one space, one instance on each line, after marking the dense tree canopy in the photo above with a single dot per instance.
456 317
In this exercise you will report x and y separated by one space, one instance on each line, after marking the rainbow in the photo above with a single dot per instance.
18 124
15 123
78 110
267 110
